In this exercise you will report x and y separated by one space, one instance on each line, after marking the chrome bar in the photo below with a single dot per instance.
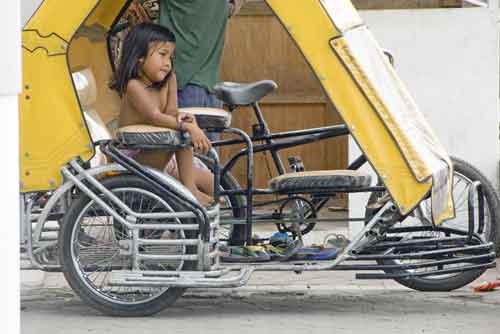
94 197
174 242
208 274
236 281
140 257
187 227
122 205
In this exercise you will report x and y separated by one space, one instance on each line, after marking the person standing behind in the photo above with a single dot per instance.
199 27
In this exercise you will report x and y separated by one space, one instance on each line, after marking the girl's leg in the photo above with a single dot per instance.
203 178
155 159
187 175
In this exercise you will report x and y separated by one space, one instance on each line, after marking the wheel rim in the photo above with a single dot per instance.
98 243
461 185
422 216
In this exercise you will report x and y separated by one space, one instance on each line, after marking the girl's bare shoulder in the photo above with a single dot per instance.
136 89
135 85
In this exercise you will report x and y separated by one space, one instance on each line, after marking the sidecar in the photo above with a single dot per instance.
130 239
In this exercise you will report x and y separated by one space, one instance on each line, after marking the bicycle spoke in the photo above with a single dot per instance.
97 245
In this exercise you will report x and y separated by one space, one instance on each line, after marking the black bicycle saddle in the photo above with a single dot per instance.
241 94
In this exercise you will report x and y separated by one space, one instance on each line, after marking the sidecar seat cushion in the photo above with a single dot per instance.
241 94
327 180
152 137
210 118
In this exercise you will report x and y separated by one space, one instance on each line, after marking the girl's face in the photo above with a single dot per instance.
158 62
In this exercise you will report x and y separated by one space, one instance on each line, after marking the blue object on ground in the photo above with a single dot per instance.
315 254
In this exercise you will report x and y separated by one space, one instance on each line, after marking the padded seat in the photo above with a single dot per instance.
242 94
210 118
327 180
152 137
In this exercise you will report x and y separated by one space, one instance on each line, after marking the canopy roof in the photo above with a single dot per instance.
366 91
348 61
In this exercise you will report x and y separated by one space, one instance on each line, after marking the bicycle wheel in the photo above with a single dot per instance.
93 248
464 175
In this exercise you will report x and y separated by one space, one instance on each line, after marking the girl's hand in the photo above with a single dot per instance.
200 141
185 117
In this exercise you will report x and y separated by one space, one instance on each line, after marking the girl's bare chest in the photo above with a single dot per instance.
159 98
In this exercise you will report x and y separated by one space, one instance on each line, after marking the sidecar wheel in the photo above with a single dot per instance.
91 245
464 175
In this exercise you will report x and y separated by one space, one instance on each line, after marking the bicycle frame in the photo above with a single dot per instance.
261 132
298 138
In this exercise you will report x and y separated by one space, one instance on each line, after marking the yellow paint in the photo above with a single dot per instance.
313 30
53 45
106 13
52 129
60 17
342 49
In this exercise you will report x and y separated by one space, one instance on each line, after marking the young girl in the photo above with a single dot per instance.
146 82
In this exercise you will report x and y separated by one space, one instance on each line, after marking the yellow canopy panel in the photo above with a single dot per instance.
379 111
53 130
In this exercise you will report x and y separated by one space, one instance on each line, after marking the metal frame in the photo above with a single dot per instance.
458 247
77 177
437 251
261 132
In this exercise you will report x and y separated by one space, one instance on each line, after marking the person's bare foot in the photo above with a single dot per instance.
203 198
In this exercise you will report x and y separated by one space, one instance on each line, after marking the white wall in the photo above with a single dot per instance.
449 60
10 86
28 7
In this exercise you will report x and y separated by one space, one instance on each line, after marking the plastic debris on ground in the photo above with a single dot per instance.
487 286
282 247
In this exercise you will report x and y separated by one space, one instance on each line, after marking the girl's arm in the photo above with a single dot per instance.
141 101
186 122
172 106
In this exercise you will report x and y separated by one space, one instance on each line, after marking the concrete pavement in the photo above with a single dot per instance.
314 302
277 302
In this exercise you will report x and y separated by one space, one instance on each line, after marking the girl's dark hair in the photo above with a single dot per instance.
135 46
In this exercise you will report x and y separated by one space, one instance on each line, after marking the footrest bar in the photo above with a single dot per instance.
420 242
421 255
491 264
478 259
184 281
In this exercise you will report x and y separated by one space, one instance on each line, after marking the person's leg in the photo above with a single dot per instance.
155 159
196 96
203 178
187 175
189 97
213 102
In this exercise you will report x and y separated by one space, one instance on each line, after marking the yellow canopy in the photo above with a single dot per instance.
383 118
347 60
53 130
